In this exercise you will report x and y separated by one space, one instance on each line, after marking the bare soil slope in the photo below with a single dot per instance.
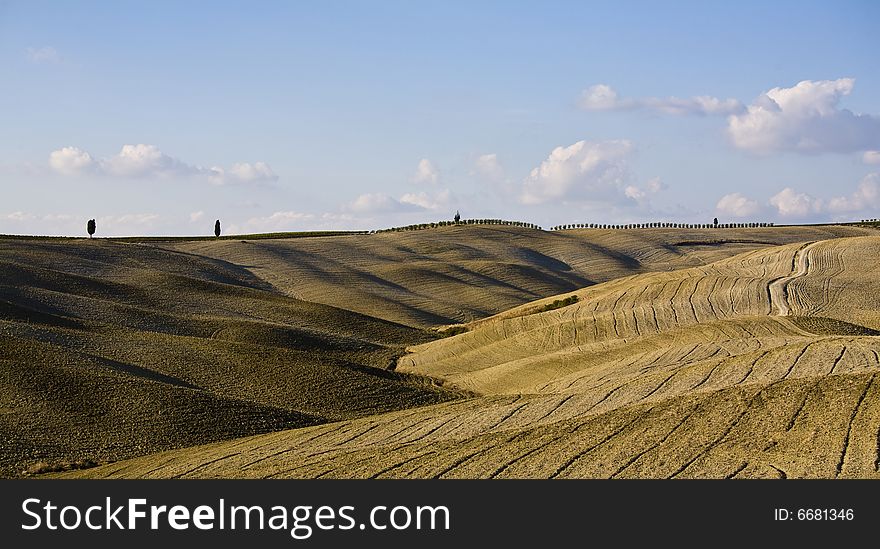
112 350
459 274
696 372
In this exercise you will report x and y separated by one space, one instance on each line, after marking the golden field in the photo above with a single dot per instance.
687 353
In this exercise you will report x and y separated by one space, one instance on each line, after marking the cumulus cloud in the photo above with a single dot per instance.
652 186
865 198
287 220
145 160
585 171
489 167
279 221
790 203
69 224
243 173
602 97
426 172
72 161
737 205
805 118
139 161
196 216
19 216
793 205
429 201
252 172
871 157
631 191
46 54
655 185
372 203
115 222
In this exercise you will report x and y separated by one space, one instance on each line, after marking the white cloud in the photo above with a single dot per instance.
430 201
737 205
790 203
871 157
139 161
652 186
280 221
145 160
46 54
489 167
804 118
127 219
585 172
631 191
68 224
196 216
243 173
602 97
19 216
655 185
284 221
426 172
71 161
865 198
372 203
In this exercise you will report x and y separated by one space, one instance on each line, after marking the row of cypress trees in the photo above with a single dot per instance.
662 225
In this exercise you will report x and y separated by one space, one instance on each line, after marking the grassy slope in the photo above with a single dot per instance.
679 374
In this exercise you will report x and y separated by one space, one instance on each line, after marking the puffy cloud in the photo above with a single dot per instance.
426 172
72 161
376 203
655 185
489 167
631 191
243 173
795 205
805 118
113 224
737 205
283 221
429 201
280 221
253 172
68 224
19 216
602 97
138 161
372 203
46 54
196 216
865 198
871 157
585 171
145 160
790 203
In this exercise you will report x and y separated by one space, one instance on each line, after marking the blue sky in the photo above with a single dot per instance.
159 118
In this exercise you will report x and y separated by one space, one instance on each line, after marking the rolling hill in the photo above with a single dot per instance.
758 365
112 350
462 273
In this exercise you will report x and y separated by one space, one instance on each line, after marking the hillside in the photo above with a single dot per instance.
458 274
759 365
112 350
